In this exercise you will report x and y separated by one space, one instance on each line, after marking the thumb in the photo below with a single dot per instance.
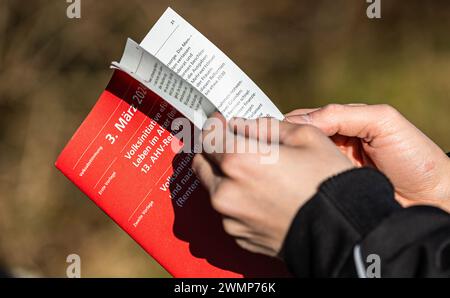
362 121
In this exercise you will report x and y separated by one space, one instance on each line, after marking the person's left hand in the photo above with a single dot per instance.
259 201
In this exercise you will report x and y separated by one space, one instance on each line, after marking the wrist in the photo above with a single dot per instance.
433 187
345 209
446 186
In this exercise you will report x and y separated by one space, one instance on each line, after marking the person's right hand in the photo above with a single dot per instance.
379 136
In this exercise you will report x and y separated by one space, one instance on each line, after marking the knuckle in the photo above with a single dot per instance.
196 162
217 202
228 227
304 134
388 110
332 108
220 202
231 164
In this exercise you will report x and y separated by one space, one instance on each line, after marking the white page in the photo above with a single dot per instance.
150 72
179 46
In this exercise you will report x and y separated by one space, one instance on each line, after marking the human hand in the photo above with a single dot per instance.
380 136
258 201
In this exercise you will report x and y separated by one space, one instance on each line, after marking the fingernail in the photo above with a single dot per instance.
304 118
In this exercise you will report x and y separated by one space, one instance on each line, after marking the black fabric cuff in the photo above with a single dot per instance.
364 196
325 230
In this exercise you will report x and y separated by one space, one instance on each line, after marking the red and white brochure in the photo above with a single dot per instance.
122 157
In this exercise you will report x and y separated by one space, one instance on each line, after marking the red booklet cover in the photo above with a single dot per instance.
121 157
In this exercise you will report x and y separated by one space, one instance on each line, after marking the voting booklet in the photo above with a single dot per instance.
123 157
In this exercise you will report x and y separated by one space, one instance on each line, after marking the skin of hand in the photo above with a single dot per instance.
259 201
379 136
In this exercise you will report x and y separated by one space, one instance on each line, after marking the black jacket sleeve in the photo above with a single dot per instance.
354 216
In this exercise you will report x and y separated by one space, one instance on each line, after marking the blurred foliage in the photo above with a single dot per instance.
301 53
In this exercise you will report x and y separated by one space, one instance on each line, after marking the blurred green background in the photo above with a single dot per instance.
301 53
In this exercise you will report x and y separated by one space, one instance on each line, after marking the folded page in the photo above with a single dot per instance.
183 49
150 72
